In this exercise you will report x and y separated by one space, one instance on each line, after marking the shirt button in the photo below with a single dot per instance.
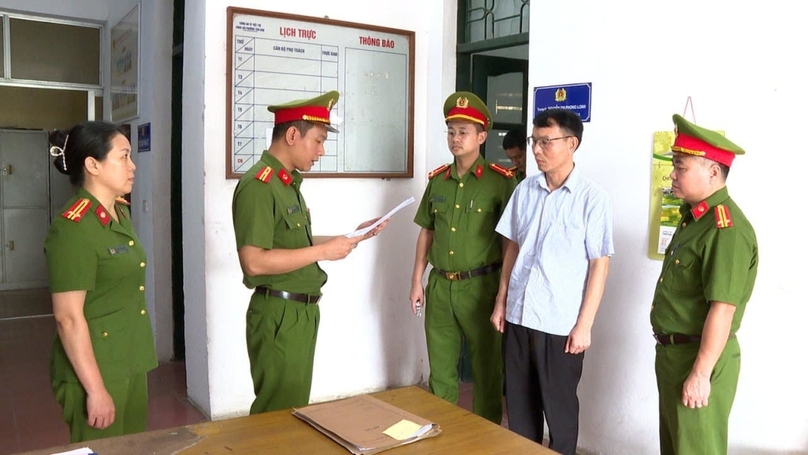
451 253
461 184
676 262
131 243
454 229
142 264
435 211
684 224
142 288
660 280
298 224
104 334
143 312
479 210
457 206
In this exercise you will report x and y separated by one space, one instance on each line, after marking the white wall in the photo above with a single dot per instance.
746 70
368 338
151 208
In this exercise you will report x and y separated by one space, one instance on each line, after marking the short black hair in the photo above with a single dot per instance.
567 120
280 129
516 137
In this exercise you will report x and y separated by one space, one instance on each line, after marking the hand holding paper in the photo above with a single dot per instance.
375 226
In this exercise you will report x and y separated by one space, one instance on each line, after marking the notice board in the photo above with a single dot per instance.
275 58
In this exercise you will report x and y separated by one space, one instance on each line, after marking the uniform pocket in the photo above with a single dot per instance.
109 336
482 215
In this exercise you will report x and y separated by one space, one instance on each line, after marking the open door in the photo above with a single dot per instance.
502 83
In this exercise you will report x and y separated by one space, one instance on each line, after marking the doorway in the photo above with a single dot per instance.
492 62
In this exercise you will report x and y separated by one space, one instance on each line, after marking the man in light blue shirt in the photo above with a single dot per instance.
557 230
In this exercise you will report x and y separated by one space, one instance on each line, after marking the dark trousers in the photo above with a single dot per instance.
541 382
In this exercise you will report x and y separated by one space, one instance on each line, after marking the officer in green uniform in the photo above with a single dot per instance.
707 278
458 213
515 145
279 254
97 274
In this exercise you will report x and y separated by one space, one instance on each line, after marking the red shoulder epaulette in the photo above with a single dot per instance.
437 171
501 170
121 200
77 210
722 217
264 174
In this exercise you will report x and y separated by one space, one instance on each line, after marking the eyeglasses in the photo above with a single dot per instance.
543 142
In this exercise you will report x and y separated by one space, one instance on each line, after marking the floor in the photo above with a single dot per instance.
30 418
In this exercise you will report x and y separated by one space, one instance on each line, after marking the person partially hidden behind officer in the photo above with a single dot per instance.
515 145
459 209
279 254
707 278
97 276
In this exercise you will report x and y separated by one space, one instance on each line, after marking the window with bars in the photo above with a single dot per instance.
489 19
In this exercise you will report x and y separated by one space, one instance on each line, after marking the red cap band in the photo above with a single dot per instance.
467 113
694 146
309 113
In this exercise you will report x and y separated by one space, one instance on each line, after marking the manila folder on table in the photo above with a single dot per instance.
366 425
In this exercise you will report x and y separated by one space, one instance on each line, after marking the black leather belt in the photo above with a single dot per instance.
456 276
302 298
676 338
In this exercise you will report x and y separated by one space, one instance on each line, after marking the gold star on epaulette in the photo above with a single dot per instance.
77 210
501 170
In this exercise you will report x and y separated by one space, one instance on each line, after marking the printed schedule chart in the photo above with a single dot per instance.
280 58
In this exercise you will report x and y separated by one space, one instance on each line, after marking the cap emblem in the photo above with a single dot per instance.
462 102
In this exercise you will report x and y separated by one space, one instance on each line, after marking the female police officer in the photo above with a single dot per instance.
96 273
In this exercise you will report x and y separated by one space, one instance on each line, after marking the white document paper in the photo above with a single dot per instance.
81 451
363 231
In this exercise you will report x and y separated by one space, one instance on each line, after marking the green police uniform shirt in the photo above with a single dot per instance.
713 256
269 212
463 213
89 251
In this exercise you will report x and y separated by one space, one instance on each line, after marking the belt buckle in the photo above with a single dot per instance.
452 276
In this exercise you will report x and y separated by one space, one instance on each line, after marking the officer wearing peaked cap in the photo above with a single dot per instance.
706 281
458 211
279 254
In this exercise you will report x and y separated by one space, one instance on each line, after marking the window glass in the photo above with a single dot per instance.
55 52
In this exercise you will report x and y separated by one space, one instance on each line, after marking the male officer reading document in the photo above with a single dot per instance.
279 254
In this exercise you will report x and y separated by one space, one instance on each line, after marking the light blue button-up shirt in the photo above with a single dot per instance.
558 233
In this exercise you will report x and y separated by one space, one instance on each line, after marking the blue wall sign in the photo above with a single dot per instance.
144 137
575 97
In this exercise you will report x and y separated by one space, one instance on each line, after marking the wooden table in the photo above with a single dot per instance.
280 432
